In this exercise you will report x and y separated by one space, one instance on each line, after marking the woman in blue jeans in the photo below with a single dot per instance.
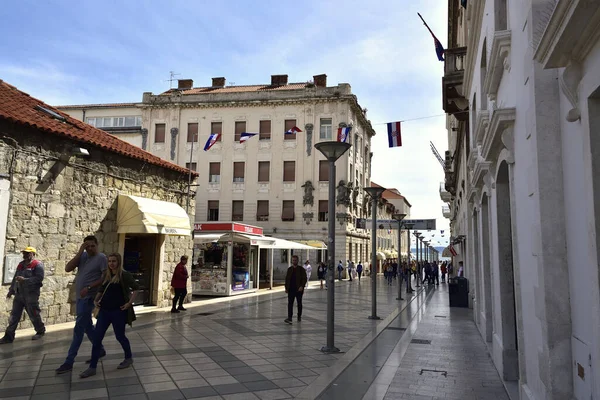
116 308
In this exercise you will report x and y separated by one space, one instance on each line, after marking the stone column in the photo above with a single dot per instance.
174 132
309 132
144 138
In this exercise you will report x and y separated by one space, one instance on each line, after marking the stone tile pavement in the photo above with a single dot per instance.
239 349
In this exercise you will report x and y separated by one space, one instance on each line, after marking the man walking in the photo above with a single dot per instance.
295 280
90 264
308 269
26 286
359 270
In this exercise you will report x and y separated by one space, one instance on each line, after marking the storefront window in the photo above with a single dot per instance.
209 271
241 272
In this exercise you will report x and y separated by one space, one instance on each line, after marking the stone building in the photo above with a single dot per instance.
274 180
522 93
61 180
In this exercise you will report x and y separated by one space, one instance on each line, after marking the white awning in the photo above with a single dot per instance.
317 244
380 256
142 215
285 244
207 237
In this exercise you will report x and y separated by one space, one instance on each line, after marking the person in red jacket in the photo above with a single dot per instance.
179 284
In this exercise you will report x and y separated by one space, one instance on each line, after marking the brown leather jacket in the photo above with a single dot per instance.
300 278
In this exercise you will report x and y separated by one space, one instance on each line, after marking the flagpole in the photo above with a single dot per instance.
425 23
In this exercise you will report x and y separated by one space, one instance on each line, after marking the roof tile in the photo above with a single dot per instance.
237 89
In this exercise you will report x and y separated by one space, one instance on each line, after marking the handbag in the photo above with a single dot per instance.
96 309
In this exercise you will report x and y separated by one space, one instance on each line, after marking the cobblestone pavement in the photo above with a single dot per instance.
441 355
240 349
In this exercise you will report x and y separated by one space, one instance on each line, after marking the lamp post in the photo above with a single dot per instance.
332 151
399 218
408 284
375 193
418 258
426 250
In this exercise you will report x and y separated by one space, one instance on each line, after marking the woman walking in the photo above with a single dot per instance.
321 270
179 284
116 308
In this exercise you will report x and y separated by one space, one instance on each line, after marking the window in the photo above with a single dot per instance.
109 122
287 214
357 145
265 130
237 213
238 171
159 133
191 166
289 171
240 126
289 124
323 210
91 121
214 172
213 210
262 210
264 168
323 171
192 135
216 127
326 128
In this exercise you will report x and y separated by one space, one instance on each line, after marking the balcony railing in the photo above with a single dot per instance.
455 60
453 98
446 212
444 194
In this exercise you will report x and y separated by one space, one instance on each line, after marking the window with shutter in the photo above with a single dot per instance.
265 130
240 126
289 171
326 128
159 133
323 171
262 210
191 166
214 172
264 171
216 127
192 134
213 210
287 213
238 172
323 210
289 124
237 213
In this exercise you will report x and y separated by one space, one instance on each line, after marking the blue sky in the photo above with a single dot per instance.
73 52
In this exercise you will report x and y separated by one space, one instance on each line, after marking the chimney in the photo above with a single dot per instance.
218 82
279 80
320 80
185 84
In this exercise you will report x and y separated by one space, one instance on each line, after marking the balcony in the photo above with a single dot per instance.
444 194
454 101
450 182
446 212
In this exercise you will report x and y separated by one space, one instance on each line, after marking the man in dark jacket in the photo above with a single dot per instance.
295 280
26 285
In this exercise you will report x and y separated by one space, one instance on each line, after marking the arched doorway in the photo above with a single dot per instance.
508 314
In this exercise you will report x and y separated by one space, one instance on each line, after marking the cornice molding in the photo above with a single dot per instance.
498 63
474 27
482 167
502 118
481 125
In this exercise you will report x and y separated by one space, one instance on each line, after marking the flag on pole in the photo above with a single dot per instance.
245 136
452 251
292 130
439 49
212 139
394 136
344 134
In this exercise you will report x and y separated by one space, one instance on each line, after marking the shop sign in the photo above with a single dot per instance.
227 227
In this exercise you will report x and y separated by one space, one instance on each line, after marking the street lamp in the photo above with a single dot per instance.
332 151
426 251
418 258
408 227
399 218
375 193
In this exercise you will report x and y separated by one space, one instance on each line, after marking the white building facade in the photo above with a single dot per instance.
522 93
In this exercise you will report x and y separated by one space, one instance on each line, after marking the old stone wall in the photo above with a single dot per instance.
57 200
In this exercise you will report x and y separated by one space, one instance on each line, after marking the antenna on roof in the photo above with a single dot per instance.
171 78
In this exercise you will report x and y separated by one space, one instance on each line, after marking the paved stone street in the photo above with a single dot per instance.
241 349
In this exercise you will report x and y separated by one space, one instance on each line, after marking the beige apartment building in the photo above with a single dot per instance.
273 180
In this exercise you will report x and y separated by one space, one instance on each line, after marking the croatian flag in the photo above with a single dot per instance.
293 130
212 139
344 134
394 137
452 251
245 136
439 49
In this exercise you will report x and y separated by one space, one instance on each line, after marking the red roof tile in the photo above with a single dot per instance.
20 108
107 105
238 89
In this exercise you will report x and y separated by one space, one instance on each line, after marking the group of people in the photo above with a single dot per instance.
103 289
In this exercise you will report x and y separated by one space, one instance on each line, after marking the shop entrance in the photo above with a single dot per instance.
140 259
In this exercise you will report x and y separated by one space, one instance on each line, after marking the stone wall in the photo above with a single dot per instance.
57 200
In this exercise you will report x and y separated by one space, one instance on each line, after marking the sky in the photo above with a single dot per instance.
80 52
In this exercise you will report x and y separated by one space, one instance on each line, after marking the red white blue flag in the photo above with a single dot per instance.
439 49
212 139
292 130
245 136
344 134
394 136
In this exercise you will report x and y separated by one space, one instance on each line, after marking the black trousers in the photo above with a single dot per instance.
179 296
32 307
298 297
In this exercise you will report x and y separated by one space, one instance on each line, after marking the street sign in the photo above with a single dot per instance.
417 224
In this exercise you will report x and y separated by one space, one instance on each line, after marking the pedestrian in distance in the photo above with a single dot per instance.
340 268
443 270
308 269
359 270
321 272
350 269
115 308
295 280
90 265
25 286
179 284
